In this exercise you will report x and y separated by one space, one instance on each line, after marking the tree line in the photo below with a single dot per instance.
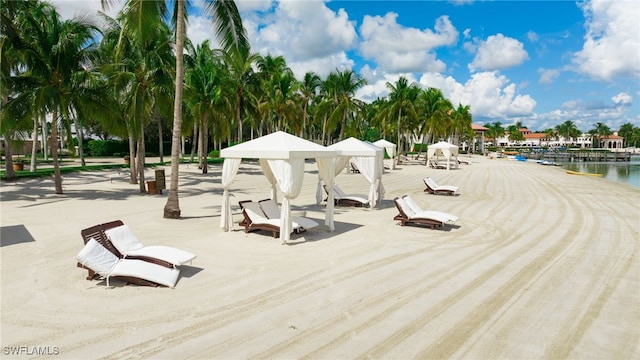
120 78
567 130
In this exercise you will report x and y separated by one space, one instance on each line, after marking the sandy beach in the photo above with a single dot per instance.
540 265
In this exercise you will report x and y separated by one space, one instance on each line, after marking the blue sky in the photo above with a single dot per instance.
537 62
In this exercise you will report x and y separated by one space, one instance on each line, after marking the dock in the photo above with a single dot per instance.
580 156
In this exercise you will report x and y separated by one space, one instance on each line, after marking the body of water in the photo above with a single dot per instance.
627 172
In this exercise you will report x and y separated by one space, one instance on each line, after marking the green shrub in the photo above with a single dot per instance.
107 147
214 154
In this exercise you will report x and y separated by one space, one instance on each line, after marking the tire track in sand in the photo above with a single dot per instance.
409 291
444 346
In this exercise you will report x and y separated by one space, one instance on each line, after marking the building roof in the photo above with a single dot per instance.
477 127
535 136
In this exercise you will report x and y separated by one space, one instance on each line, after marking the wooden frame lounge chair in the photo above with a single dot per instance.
117 238
270 209
434 165
100 260
433 188
408 216
255 219
343 199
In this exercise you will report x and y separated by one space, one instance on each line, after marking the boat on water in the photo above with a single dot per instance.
570 172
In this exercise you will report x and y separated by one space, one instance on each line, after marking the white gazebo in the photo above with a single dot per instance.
390 149
367 157
282 158
445 149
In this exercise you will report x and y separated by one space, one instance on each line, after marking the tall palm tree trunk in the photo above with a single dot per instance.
132 163
79 135
57 177
8 163
160 143
201 149
172 207
195 141
44 138
34 146
140 160
205 145
238 99
399 144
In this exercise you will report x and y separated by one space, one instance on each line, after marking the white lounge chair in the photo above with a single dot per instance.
409 216
271 210
433 188
102 261
341 198
256 219
435 165
446 217
130 247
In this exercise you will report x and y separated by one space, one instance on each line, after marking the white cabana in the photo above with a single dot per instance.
445 149
282 158
390 149
367 157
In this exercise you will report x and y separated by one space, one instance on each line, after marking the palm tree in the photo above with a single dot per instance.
53 72
232 36
239 64
308 90
495 131
141 75
461 120
206 93
515 134
402 106
630 134
435 114
341 105
600 131
568 130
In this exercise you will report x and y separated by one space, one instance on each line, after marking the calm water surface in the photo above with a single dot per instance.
626 172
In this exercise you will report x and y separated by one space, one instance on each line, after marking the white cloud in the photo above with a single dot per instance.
253 5
489 94
321 66
622 99
396 48
377 84
532 36
70 8
200 29
498 52
306 33
548 76
612 40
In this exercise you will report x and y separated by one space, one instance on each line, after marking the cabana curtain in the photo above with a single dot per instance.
266 169
368 158
229 170
288 175
282 159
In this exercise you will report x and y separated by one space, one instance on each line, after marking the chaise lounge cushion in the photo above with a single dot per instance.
433 214
97 257
270 209
129 246
434 188
102 261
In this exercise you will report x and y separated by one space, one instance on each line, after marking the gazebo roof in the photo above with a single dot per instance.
277 145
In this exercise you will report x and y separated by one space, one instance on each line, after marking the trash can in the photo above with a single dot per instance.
152 188
160 184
